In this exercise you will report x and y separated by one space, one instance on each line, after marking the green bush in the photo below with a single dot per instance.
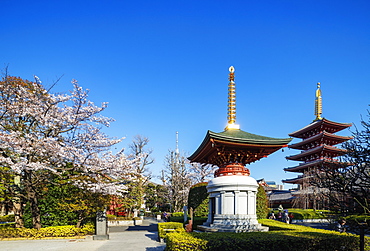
176 219
7 218
358 219
262 203
177 214
196 220
303 214
177 226
60 231
184 241
198 199
4 225
283 237
111 217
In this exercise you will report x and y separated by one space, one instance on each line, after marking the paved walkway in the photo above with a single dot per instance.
133 238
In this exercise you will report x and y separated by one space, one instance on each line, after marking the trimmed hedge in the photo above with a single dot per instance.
60 231
111 217
303 214
177 214
5 225
185 241
177 226
282 237
196 220
7 218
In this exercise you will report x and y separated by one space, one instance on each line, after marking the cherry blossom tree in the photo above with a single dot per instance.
43 133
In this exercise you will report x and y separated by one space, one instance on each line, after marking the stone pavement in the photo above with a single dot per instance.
132 238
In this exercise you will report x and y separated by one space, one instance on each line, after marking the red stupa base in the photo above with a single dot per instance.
232 169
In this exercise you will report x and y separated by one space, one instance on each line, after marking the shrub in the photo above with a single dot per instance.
262 203
184 241
113 217
177 226
303 214
196 220
288 237
7 218
60 231
176 219
198 199
177 214
4 225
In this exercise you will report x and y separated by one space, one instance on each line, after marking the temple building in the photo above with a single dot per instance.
317 150
232 206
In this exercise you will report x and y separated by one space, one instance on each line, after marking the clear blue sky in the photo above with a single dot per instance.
163 65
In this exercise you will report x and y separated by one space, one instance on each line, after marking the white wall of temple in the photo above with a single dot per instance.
233 195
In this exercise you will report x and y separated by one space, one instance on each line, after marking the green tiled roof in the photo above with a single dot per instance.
236 135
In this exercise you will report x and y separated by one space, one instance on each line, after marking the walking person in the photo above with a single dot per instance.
291 216
340 227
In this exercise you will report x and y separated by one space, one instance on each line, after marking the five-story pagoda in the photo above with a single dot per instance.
232 206
317 150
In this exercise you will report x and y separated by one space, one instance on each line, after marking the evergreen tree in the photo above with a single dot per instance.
262 203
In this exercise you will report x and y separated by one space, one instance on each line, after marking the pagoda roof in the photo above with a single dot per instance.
279 195
329 149
324 124
335 139
247 146
240 136
296 180
319 162
304 166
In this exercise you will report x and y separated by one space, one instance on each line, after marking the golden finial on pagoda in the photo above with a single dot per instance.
318 103
231 107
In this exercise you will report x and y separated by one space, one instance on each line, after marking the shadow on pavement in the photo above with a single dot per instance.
161 248
153 236
150 228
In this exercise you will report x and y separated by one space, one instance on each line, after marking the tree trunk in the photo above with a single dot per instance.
35 211
18 213
80 219
17 204
31 192
34 208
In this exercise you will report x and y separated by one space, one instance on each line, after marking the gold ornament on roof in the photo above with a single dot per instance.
318 103
231 107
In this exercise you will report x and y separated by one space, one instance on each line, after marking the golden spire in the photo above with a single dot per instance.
318 103
231 107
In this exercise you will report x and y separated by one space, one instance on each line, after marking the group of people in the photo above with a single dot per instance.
282 216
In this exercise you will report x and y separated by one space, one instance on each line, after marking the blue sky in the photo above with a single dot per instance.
163 65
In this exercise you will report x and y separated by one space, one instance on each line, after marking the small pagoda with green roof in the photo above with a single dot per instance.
232 206
234 146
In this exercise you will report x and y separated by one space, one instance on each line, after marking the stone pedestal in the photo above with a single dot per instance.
232 205
101 231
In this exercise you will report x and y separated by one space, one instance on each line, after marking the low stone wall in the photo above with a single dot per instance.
122 223
312 221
